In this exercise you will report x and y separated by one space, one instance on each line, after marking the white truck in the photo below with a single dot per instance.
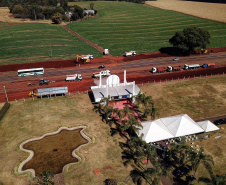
72 78
191 66
130 53
87 57
102 74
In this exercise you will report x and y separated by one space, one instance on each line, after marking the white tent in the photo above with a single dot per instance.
208 126
152 130
181 125
169 127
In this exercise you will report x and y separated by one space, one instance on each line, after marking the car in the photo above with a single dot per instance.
220 121
181 171
101 67
176 59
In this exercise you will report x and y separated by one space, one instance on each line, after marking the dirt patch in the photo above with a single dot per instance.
211 11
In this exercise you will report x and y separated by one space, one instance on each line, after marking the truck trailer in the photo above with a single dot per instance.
72 78
102 74
205 65
191 66
173 68
53 91
158 70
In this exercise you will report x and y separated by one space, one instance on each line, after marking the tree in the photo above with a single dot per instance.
146 105
214 179
17 10
200 157
190 38
46 178
57 18
64 4
91 6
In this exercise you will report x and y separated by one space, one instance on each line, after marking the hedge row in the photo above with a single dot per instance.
4 110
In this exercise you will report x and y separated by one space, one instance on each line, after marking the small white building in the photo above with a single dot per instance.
111 86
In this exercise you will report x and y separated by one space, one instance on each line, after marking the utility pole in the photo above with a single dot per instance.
6 94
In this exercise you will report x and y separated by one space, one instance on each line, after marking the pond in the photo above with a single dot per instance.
53 151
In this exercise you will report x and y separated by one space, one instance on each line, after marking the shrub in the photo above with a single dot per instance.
110 182
57 18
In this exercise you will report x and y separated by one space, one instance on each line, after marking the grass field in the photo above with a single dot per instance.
199 98
124 26
30 42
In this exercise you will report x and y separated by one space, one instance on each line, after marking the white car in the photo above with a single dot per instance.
176 59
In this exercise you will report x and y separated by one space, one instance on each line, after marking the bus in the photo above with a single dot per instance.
33 71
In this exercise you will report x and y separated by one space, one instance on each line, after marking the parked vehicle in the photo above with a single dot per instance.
158 70
84 58
176 59
32 71
72 78
102 74
130 53
101 67
220 121
205 65
173 68
191 66
43 82
49 92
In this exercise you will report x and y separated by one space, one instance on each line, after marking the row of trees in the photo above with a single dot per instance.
151 162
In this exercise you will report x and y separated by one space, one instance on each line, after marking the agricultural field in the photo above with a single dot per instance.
31 42
125 26
205 9
199 98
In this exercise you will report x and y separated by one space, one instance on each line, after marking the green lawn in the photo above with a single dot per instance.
36 40
124 26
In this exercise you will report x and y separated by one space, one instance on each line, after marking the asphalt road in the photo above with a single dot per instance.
136 65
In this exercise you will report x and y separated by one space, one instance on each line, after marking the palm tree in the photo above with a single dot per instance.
178 154
126 111
200 157
214 179
133 124
146 103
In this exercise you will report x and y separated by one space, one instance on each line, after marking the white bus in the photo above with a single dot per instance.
33 71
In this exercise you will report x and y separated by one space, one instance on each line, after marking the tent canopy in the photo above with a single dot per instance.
207 126
171 127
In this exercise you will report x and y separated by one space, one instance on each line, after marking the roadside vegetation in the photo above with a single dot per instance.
199 98
125 26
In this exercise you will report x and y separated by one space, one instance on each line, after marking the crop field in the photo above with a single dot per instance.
30 42
124 26
199 98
